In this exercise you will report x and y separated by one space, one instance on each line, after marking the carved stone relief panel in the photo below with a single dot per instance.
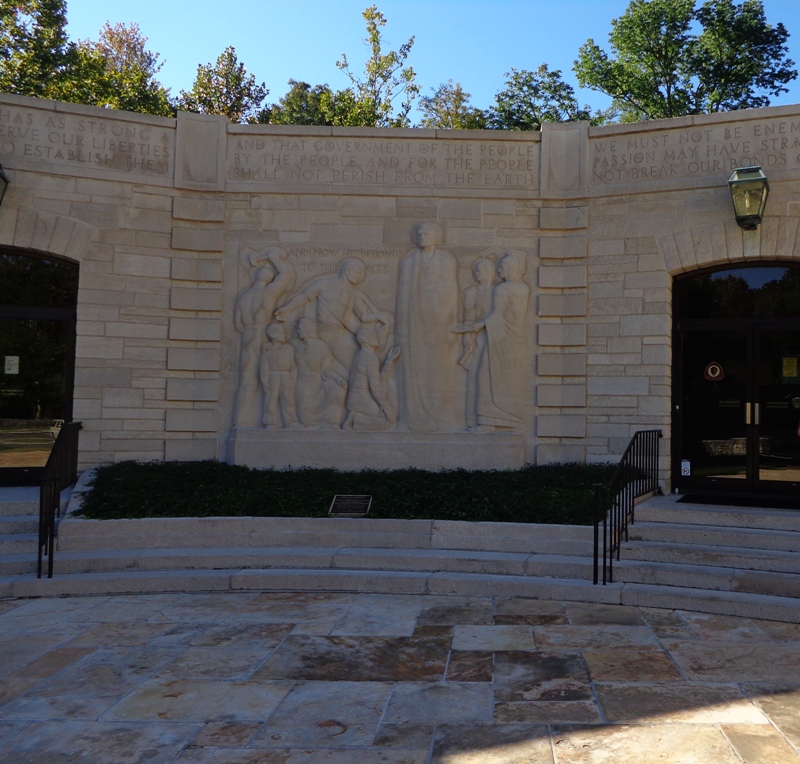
385 341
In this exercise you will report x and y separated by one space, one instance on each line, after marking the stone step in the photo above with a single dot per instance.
415 560
79 534
750 538
13 508
18 543
719 556
708 577
19 524
741 604
18 564
665 510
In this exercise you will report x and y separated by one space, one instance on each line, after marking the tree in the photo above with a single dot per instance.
118 72
226 88
303 105
660 68
530 98
449 108
385 79
35 53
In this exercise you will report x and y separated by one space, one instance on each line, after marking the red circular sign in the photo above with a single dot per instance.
714 372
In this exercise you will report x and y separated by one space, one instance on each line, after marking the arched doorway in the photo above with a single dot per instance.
736 380
37 359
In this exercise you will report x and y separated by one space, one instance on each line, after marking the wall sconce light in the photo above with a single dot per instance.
4 181
749 190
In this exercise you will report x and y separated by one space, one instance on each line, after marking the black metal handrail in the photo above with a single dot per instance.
635 476
60 472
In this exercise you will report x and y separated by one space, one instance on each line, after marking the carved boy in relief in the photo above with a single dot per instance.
278 375
340 308
369 406
254 308
500 396
477 305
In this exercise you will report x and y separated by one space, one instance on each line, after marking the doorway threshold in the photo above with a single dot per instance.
740 500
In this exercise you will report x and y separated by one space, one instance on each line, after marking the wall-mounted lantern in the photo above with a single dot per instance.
4 181
749 190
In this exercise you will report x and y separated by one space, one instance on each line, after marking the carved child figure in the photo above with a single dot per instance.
369 406
278 374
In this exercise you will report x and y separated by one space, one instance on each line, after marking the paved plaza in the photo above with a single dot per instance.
338 678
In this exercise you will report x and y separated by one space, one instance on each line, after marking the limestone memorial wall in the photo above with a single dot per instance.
352 297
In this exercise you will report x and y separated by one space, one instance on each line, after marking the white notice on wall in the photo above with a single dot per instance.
12 364
686 468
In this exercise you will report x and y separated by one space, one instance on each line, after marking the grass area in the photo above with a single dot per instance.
560 494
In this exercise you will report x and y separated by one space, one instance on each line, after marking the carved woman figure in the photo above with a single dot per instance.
501 394
321 379
254 308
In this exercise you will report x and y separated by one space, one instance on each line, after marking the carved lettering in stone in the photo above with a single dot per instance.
375 161
499 398
71 140
696 151
427 306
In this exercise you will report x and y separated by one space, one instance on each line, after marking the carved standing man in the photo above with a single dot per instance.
254 308
501 390
427 307
477 305
340 308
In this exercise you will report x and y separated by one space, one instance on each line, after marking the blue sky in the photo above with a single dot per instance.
473 42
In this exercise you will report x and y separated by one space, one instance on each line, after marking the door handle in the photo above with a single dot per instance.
757 417
747 412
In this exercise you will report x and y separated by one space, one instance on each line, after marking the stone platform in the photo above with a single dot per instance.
344 678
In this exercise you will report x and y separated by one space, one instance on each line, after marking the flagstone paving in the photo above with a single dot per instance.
339 678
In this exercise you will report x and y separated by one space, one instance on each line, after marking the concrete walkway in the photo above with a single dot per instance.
333 678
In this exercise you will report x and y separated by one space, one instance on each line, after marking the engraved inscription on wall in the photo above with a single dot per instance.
73 140
696 151
370 161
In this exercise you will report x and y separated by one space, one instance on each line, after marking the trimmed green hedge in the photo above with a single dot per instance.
560 494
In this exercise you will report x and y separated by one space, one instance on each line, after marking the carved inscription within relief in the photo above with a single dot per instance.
73 140
346 347
695 151
372 161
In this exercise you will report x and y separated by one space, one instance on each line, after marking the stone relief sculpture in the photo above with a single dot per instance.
338 307
500 402
278 374
254 308
369 405
321 379
427 307
477 302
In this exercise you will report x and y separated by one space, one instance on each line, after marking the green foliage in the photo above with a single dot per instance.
302 105
35 54
554 494
225 88
449 108
371 99
660 68
530 98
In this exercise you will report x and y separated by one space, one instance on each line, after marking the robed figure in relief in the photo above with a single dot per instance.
427 307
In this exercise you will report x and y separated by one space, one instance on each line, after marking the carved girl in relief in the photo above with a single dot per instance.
501 393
